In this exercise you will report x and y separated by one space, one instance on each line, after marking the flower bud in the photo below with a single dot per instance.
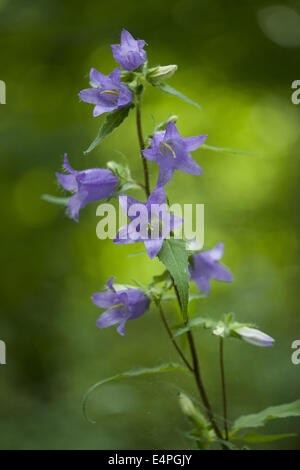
191 411
161 73
254 336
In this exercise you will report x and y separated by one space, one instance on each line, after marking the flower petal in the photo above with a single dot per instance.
105 299
153 247
90 95
216 253
188 165
165 175
171 132
221 273
68 182
193 143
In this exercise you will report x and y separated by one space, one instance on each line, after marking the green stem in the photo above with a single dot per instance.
197 375
223 387
142 143
173 340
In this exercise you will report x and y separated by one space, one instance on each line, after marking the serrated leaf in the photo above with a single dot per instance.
197 322
228 150
61 201
136 372
255 438
111 122
171 91
273 412
174 256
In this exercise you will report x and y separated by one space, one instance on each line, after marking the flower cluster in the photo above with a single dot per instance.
170 151
150 222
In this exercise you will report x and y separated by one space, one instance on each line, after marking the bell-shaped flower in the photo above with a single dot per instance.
206 266
87 186
171 152
150 222
130 53
120 306
108 92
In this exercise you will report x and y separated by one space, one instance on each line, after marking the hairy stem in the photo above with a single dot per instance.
174 341
142 143
223 387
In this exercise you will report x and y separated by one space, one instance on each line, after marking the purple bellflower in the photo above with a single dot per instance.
150 222
121 306
171 152
130 53
87 185
108 93
206 266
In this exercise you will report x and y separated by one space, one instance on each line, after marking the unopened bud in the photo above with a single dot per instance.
191 411
254 336
161 73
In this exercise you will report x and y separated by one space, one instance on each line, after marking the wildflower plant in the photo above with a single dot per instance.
116 95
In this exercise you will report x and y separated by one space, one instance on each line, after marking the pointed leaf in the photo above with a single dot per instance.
174 256
111 122
273 412
138 371
171 91
228 150
255 438
197 322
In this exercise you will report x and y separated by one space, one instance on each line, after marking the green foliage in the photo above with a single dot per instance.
228 150
201 433
255 438
171 91
122 171
272 412
174 256
111 122
197 322
136 372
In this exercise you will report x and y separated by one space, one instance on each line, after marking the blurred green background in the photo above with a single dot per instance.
238 59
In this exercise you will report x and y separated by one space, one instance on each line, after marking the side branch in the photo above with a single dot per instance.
174 341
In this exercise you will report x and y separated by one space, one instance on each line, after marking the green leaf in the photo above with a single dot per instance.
273 412
228 150
197 322
171 91
137 253
255 438
111 122
174 256
61 201
191 297
136 372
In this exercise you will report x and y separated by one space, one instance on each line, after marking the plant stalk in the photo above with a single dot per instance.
181 354
142 143
223 387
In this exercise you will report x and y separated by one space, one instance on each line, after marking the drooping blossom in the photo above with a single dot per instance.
108 92
87 186
254 336
171 152
121 306
206 266
150 222
130 53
